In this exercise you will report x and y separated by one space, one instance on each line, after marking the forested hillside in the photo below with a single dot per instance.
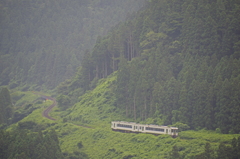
6 107
42 42
24 144
176 61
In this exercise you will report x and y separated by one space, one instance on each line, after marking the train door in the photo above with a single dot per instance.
174 132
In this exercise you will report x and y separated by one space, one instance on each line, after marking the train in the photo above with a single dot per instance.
124 126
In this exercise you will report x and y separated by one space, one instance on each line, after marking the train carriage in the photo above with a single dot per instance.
143 128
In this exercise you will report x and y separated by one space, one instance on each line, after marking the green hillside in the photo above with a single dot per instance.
97 108
176 61
85 130
173 63
6 107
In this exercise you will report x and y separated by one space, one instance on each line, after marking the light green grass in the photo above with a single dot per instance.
96 109
36 115
25 97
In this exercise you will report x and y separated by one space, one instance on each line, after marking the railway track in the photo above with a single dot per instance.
46 111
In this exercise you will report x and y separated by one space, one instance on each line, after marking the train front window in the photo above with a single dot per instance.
174 130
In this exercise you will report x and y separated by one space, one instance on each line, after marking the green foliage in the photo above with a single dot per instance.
177 61
26 144
181 126
95 105
80 145
174 154
63 102
43 43
173 62
100 141
97 108
24 103
6 107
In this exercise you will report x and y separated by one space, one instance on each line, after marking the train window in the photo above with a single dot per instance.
124 126
142 128
154 129
166 131
174 130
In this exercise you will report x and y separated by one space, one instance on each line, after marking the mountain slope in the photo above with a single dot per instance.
177 61
95 111
42 42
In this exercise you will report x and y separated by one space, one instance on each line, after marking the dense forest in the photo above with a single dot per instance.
25 144
42 42
223 151
6 107
176 61
164 62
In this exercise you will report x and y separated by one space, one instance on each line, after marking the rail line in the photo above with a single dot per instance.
46 111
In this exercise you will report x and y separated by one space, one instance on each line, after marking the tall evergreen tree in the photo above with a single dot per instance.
174 153
6 108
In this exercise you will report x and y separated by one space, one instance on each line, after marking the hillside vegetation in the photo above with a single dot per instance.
176 62
42 42
84 132
97 108
6 107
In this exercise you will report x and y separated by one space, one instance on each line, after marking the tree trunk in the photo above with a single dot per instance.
145 108
134 107
96 71
106 69
113 58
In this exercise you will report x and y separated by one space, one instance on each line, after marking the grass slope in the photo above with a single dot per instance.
96 109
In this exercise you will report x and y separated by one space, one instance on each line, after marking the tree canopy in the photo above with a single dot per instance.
175 60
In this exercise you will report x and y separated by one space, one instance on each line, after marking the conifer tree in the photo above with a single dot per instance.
122 90
223 151
208 153
174 153
6 108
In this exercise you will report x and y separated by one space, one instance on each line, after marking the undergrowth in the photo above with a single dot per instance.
86 128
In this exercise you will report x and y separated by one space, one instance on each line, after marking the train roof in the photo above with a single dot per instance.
162 126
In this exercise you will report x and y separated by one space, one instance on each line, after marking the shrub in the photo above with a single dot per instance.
80 145
181 126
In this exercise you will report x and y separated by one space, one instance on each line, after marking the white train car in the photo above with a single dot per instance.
143 128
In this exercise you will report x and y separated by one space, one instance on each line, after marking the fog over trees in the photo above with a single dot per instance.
42 42
163 62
